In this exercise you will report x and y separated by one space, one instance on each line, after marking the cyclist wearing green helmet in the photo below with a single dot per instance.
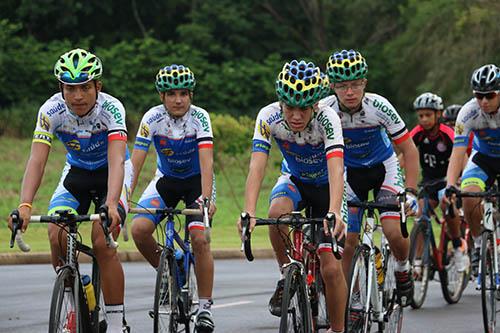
369 124
310 140
91 125
183 138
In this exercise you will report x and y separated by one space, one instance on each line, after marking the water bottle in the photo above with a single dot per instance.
179 257
89 291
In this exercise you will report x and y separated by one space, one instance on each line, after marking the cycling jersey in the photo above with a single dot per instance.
365 132
85 138
486 129
434 150
176 140
305 152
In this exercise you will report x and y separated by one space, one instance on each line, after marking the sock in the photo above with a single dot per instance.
114 314
206 304
402 266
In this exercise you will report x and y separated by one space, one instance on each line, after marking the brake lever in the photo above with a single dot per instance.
246 245
335 247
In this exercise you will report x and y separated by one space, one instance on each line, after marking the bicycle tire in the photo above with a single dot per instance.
65 307
295 307
358 278
488 288
394 310
165 307
191 300
319 308
452 282
421 274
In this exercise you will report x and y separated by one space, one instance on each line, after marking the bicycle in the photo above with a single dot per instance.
69 307
303 305
488 279
426 257
176 290
372 284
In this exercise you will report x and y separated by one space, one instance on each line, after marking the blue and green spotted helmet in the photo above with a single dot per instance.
325 84
175 77
346 66
78 66
299 84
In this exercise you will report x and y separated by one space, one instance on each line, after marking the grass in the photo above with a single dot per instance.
231 176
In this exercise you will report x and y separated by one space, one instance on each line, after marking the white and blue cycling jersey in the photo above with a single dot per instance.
486 129
177 140
85 138
368 132
305 152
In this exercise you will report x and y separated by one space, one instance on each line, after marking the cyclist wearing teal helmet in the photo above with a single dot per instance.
310 140
369 124
91 125
183 139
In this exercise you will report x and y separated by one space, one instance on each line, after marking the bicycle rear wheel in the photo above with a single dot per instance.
165 307
487 278
394 311
295 308
452 281
357 316
420 261
66 304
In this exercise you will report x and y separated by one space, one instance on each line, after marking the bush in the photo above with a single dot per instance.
232 136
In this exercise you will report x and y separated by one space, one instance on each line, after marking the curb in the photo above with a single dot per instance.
125 256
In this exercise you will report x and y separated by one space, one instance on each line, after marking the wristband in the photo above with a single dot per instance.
25 204
411 190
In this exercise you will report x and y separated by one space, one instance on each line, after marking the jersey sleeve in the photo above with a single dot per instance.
144 133
45 124
204 133
463 126
115 115
391 120
262 134
329 123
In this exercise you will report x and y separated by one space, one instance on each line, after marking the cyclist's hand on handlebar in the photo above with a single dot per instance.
450 194
340 228
411 204
24 216
114 218
212 209
251 226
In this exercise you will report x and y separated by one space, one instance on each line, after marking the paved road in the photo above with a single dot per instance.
241 294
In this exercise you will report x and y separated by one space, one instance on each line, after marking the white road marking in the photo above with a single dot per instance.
230 304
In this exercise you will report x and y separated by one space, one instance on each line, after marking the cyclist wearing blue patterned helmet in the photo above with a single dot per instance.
369 124
182 136
310 139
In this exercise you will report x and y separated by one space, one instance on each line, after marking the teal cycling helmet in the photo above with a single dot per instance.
299 84
346 66
175 77
325 84
78 66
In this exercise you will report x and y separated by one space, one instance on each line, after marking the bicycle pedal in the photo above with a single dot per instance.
151 314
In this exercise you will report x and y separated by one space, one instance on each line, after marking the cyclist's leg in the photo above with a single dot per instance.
143 225
67 196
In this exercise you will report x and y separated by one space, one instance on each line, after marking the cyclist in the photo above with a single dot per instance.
449 118
310 140
371 163
434 141
91 125
182 135
479 115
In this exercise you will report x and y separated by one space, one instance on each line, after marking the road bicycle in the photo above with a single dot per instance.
176 290
71 310
303 308
372 294
426 257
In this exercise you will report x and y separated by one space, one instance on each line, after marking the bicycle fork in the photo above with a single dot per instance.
489 225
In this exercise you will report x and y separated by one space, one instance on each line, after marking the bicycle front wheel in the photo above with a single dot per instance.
65 306
420 262
394 311
318 303
295 307
452 281
357 315
165 307
487 278
191 300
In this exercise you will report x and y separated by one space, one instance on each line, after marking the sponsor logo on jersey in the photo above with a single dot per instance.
470 115
203 120
264 129
73 144
92 147
167 151
154 118
327 125
459 128
387 110
155 202
44 122
55 109
144 130
274 117
441 146
108 106
292 188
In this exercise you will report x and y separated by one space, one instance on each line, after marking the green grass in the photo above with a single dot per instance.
231 176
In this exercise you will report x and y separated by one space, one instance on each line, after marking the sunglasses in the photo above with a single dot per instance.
488 95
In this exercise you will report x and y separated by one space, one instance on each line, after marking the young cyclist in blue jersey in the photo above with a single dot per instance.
371 163
310 140
481 116
182 135
91 125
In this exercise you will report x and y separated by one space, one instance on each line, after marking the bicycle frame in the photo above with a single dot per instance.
489 225
437 251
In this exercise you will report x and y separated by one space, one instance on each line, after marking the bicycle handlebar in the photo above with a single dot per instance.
295 219
187 211
450 208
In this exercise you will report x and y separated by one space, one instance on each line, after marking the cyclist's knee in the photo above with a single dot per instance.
332 270
351 241
199 241
55 234
280 206
142 228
